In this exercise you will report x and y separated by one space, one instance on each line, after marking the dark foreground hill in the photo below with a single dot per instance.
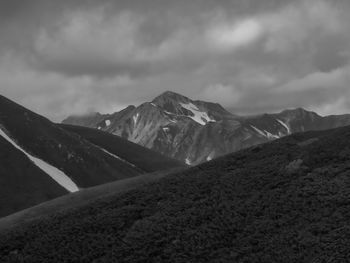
40 160
22 183
78 199
285 201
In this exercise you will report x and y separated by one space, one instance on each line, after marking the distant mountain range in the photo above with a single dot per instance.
41 160
197 131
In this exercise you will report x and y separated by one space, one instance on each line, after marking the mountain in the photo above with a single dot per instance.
283 201
41 160
197 131
145 159
22 183
91 119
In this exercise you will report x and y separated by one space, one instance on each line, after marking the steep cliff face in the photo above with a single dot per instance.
197 131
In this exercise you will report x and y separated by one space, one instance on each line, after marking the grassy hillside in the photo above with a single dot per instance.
76 200
285 201
146 159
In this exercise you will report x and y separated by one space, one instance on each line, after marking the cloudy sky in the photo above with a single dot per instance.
72 56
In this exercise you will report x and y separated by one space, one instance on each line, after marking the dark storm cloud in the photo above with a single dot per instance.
62 57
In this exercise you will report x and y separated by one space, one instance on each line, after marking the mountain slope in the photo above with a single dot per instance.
22 183
78 199
141 157
57 175
34 147
197 131
285 201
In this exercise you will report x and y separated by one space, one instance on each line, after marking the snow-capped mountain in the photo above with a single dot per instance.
41 160
196 131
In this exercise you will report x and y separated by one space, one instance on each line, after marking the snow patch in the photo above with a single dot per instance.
188 162
136 117
258 131
115 156
169 117
199 116
285 126
211 155
265 133
270 135
107 122
153 104
56 174
248 136
166 129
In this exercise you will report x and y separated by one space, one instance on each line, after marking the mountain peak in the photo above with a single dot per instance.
299 111
171 101
170 96
170 93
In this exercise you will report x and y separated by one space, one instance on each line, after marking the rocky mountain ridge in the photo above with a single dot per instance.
196 131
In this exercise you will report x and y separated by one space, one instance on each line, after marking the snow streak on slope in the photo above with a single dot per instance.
57 175
258 131
270 135
115 156
199 116
285 126
135 118
265 133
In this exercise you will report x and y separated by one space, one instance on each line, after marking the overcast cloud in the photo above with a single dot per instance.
73 56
